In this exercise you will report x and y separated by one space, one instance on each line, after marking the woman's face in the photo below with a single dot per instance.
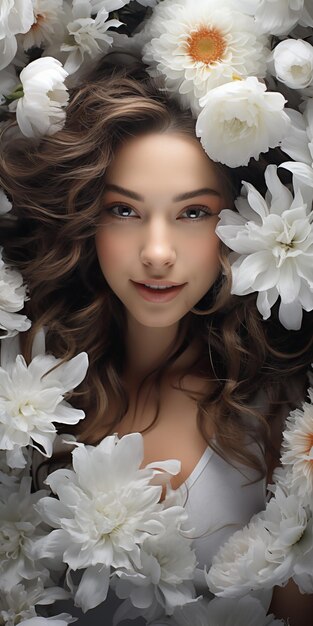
160 210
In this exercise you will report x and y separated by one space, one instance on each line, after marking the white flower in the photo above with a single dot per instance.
16 16
298 144
224 612
57 620
32 399
277 17
240 565
40 110
163 579
239 120
293 63
10 478
198 46
273 239
18 603
8 82
47 24
297 450
5 204
12 295
106 509
276 545
87 35
20 529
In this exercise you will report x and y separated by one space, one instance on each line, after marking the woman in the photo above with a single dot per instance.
116 240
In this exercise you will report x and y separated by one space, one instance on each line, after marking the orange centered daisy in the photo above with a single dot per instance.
207 45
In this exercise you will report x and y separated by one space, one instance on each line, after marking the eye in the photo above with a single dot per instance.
194 213
121 211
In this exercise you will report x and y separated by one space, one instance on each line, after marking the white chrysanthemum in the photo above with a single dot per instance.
274 546
224 612
297 450
277 17
163 580
198 46
32 399
293 63
240 120
10 478
40 111
87 36
19 602
12 294
273 239
106 509
20 529
48 23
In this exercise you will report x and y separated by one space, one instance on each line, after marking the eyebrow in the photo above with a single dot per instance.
181 196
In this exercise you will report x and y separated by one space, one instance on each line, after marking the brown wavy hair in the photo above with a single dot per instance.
57 186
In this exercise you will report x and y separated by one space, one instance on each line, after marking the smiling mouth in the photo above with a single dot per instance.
158 293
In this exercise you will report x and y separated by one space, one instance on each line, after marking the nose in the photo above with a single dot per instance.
158 249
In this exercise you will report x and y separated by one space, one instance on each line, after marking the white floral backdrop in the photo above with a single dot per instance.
245 69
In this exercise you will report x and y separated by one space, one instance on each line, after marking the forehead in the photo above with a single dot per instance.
162 163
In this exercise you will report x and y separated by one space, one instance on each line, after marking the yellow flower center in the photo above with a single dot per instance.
206 45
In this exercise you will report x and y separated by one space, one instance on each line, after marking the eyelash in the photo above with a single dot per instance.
205 210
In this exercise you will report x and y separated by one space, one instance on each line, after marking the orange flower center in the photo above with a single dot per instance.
309 440
40 18
206 45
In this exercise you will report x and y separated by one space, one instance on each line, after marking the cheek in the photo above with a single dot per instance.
110 250
207 254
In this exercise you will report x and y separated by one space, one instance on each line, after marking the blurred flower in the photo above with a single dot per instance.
240 120
106 509
87 36
16 16
298 144
5 204
198 46
297 450
277 17
164 578
18 603
48 20
8 82
40 109
224 612
12 293
293 63
273 239
32 399
20 528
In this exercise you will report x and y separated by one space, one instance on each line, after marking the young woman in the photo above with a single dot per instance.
115 237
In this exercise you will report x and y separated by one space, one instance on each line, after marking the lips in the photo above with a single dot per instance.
158 295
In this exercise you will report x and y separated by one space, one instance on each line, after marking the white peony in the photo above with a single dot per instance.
47 25
32 399
16 16
18 603
40 110
240 120
87 36
164 578
106 509
240 565
198 46
297 450
273 239
293 63
277 17
20 528
224 612
276 545
12 293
